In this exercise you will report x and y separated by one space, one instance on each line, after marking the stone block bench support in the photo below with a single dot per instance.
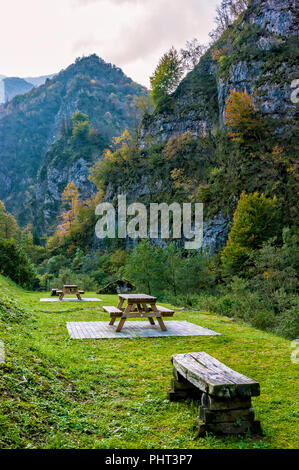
224 394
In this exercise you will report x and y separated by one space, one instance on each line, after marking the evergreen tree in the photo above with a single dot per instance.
166 76
255 221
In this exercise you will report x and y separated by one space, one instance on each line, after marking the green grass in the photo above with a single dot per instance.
62 393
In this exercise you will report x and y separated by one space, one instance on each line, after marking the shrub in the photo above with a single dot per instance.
15 264
255 221
67 276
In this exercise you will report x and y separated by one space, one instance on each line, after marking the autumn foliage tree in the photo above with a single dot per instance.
77 222
240 115
71 202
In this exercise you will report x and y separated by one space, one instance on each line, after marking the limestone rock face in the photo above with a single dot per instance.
49 191
196 107
215 233
256 56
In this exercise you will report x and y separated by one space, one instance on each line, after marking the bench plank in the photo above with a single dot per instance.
213 377
112 310
166 312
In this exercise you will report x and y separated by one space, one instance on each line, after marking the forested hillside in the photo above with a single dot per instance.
30 123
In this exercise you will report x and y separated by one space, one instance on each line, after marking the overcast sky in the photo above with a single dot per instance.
40 37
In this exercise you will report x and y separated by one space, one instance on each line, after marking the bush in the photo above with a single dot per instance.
255 221
239 300
67 276
15 264
167 270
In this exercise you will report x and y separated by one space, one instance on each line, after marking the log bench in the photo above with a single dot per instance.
224 394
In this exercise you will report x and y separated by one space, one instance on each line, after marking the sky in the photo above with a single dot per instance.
41 37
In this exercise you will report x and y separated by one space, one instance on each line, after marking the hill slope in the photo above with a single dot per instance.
62 393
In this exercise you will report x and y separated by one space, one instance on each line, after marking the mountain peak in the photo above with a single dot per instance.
31 123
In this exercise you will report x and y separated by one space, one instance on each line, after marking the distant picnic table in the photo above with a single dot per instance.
70 289
138 306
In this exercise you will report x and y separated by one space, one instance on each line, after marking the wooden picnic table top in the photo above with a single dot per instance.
138 298
70 286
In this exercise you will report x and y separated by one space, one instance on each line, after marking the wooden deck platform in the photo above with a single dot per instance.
101 329
53 299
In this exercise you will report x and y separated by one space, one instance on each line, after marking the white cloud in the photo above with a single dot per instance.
47 36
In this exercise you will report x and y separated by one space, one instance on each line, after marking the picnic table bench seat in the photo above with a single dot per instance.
137 307
113 311
116 312
165 312
225 394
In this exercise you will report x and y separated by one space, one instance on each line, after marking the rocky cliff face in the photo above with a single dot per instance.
258 54
50 188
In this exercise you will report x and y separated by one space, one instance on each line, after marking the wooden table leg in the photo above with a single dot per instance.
112 320
78 296
146 309
61 296
123 318
161 323
121 324
158 317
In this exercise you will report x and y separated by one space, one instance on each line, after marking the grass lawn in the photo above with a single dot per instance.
111 393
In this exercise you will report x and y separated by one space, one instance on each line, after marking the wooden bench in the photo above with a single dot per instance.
165 312
225 394
114 313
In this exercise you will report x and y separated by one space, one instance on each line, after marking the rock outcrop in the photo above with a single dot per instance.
257 54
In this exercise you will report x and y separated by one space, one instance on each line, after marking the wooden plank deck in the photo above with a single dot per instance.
101 330
70 300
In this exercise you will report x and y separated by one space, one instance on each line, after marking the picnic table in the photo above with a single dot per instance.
137 306
70 289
